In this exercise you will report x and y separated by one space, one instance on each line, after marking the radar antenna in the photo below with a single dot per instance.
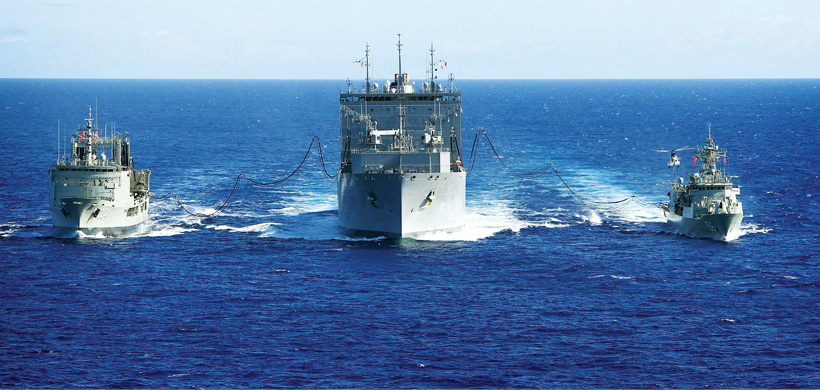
88 120
709 128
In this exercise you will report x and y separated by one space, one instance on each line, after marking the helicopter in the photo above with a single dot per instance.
674 161
673 157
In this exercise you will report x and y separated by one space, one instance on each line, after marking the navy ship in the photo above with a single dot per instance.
401 173
93 193
707 206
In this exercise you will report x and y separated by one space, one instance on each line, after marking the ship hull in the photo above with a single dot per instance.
715 226
95 201
92 216
401 205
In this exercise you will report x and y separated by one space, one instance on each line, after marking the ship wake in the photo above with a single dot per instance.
484 219
597 198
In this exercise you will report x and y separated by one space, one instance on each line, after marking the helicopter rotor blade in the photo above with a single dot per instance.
672 150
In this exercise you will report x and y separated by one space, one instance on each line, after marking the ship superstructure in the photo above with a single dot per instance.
401 173
97 189
708 205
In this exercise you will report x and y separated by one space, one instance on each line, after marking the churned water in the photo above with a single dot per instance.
539 290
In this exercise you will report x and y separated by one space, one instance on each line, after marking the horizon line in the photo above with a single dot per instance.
465 79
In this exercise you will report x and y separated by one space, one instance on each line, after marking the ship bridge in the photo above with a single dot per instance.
396 127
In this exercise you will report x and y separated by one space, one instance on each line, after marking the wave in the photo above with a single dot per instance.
8 230
313 227
753 228
161 231
96 236
746 229
598 186
312 215
618 277
553 223
592 217
484 219
256 228
166 219
306 202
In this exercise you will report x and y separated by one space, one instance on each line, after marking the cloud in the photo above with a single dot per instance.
165 45
167 40
12 34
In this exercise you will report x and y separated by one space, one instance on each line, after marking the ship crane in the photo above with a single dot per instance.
430 137
401 140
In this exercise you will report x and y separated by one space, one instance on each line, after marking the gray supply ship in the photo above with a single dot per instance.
708 205
92 193
401 173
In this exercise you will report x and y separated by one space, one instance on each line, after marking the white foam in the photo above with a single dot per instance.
591 217
163 232
307 226
752 228
6 231
201 210
747 228
97 235
553 223
259 227
307 202
482 220
598 186
621 277
163 221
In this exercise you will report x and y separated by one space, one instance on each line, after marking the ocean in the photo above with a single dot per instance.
538 291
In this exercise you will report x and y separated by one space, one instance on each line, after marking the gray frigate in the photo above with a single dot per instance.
708 205
401 173
91 192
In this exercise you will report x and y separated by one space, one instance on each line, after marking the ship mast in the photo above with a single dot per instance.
432 67
367 64
365 61
709 128
88 121
400 84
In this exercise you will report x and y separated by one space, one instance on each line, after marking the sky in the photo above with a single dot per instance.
482 39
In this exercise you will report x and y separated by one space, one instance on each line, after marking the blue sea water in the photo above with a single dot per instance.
539 291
